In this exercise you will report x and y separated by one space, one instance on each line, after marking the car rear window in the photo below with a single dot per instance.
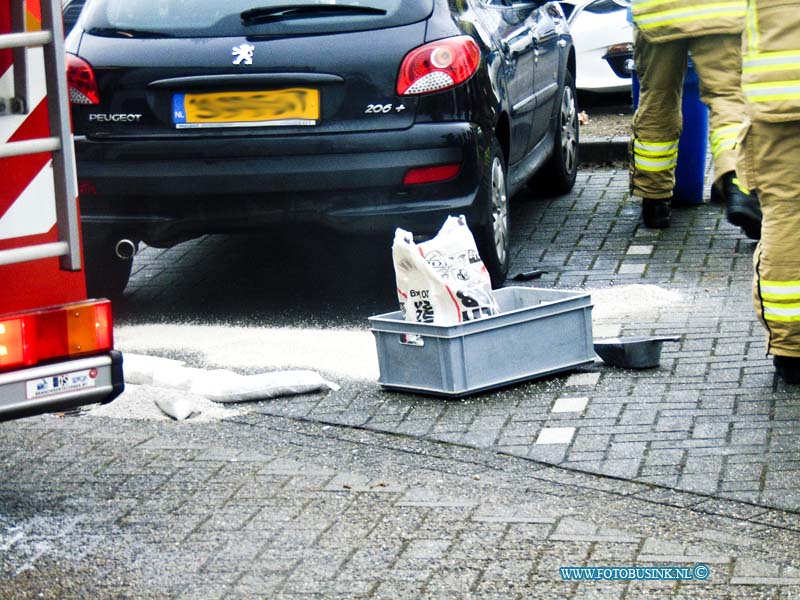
212 18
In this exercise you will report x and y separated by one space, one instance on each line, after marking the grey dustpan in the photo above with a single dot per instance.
635 352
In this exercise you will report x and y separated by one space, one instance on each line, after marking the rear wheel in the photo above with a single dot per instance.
558 175
492 237
107 274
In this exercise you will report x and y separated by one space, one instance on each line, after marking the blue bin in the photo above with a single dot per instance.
693 143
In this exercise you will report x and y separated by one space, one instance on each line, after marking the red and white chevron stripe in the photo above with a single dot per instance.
27 188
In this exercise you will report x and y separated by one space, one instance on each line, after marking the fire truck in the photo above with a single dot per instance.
56 345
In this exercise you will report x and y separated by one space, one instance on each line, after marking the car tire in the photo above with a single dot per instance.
557 175
492 236
107 275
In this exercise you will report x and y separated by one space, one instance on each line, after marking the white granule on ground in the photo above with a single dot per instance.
139 402
336 353
346 353
642 302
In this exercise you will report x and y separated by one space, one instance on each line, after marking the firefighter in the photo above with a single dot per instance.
665 33
769 155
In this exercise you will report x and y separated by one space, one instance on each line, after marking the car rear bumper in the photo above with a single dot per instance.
61 386
351 182
596 75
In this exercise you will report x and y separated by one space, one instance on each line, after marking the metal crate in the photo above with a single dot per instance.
536 333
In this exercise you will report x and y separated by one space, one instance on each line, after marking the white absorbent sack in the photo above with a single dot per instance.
220 385
227 386
443 280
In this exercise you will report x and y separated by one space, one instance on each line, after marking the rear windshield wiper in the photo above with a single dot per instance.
128 33
264 14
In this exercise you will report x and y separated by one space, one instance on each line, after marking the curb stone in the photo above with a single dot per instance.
595 150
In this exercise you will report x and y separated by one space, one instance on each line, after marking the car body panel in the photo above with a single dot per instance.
593 33
144 176
354 177
547 81
155 69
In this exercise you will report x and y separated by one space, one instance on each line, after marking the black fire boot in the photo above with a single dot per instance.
655 212
741 207
787 368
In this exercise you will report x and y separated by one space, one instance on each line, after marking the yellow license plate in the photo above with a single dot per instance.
291 106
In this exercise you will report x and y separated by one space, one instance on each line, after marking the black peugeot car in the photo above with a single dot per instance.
198 116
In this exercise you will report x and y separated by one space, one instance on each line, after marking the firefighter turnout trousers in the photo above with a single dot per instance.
770 155
657 123
769 162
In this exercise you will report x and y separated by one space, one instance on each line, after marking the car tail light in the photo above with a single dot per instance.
81 82
87 187
620 58
438 66
616 49
431 174
27 339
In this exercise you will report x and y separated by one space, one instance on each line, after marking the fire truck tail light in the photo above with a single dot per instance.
12 342
64 331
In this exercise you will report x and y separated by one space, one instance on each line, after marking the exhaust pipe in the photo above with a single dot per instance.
125 249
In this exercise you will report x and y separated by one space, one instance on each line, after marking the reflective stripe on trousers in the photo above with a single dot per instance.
724 139
655 156
780 299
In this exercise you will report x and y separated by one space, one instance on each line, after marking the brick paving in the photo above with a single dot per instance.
707 420
364 492
258 506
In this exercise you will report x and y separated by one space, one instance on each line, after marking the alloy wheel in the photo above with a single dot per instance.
569 129
499 210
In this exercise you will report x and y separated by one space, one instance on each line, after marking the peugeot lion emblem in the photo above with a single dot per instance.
243 54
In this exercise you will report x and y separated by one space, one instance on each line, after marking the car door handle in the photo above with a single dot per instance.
518 45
